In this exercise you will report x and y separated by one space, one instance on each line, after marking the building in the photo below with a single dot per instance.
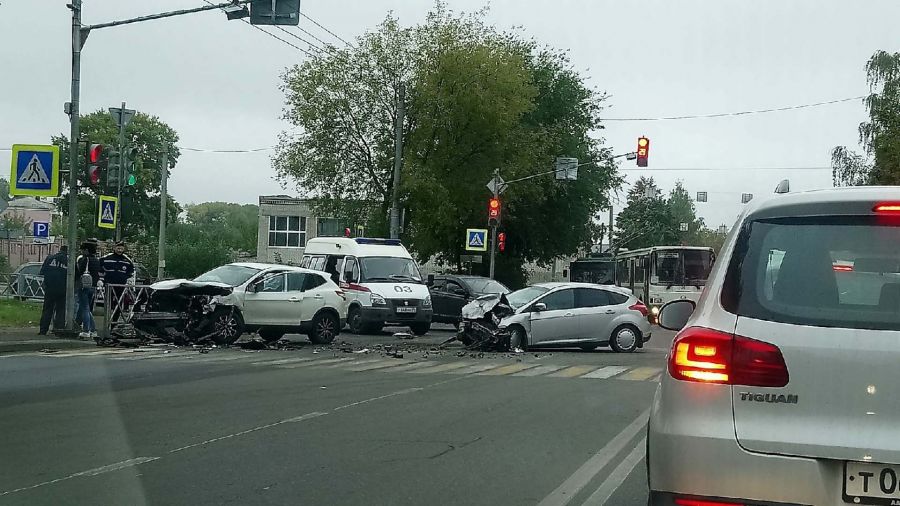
17 243
286 223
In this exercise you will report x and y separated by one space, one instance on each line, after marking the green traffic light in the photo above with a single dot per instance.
131 180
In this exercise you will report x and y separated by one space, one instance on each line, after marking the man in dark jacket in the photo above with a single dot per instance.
87 264
117 270
54 271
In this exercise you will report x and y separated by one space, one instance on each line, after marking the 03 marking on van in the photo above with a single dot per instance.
402 289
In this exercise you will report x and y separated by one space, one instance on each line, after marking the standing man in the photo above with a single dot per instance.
117 269
54 271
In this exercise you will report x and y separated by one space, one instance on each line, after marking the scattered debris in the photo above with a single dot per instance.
254 344
403 335
49 350
395 354
364 350
323 388
480 329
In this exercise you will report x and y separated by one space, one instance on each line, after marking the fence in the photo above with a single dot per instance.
22 286
121 302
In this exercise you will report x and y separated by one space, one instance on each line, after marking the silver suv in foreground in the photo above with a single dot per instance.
783 384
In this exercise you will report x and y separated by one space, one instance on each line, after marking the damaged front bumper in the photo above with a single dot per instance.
480 328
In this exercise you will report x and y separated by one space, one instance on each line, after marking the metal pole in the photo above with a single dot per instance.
74 119
398 158
163 199
611 226
122 162
494 227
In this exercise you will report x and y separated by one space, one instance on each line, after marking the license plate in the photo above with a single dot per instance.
406 310
868 483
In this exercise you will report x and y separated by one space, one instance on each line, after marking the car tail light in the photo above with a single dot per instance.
340 293
842 268
704 502
639 306
709 356
887 207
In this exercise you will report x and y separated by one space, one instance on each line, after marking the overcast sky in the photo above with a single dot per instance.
216 82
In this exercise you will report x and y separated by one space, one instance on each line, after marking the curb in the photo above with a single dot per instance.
8 347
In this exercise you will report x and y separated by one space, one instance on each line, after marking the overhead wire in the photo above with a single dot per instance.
739 113
270 34
326 29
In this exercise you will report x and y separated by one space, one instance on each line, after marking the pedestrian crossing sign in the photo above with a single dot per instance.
35 170
106 214
476 239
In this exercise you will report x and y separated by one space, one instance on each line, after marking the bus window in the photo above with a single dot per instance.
639 265
624 272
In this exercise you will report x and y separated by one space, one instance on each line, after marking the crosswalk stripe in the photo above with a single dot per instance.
356 362
640 374
204 357
656 378
538 371
472 369
441 368
312 363
92 353
507 369
571 372
150 356
381 364
410 366
605 372
279 362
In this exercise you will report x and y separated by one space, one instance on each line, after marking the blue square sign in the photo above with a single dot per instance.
41 229
35 170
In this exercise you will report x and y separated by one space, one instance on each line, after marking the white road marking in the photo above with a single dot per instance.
281 361
618 476
472 369
605 372
584 474
90 472
538 371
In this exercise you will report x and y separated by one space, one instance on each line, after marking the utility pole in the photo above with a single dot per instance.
74 134
398 158
611 227
122 162
494 226
163 200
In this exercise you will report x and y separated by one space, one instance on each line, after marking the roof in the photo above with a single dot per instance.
29 203
830 201
567 284
262 266
359 246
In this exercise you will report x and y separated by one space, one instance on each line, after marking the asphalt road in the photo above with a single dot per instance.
312 425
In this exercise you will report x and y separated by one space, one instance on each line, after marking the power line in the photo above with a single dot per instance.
326 29
324 44
739 113
270 34
733 169
294 35
205 150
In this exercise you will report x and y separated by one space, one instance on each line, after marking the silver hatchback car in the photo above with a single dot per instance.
582 315
783 385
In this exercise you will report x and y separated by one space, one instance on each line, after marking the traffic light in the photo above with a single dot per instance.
113 168
494 212
130 176
501 241
95 163
643 151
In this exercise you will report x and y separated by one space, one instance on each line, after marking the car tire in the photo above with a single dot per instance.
325 327
518 338
420 329
354 321
271 335
624 339
229 325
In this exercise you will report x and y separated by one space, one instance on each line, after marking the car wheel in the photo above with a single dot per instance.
324 328
518 338
624 339
270 335
354 321
229 325
420 329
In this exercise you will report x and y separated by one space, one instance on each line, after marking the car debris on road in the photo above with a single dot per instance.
480 329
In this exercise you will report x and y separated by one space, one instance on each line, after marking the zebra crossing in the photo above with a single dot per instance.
372 364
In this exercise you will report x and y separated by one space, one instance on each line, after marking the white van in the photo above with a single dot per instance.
380 278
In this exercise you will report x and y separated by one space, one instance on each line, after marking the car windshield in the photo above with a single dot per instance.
521 297
384 269
234 275
682 267
485 285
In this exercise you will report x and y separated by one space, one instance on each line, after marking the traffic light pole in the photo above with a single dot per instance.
74 134
494 227
122 162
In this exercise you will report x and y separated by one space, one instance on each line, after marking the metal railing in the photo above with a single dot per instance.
121 302
22 286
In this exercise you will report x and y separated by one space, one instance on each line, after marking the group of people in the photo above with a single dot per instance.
114 269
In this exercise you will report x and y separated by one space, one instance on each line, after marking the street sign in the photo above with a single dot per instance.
701 196
746 197
497 183
106 214
470 259
683 227
40 229
275 12
476 239
116 113
566 168
35 170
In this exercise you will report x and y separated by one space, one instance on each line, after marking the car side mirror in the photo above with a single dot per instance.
674 315
430 279
540 306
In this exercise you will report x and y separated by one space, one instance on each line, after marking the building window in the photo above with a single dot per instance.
329 227
287 231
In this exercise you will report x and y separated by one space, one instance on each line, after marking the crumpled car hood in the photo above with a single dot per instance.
479 307
190 288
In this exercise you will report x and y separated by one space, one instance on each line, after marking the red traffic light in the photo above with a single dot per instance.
94 175
501 236
643 151
95 152
494 208
501 241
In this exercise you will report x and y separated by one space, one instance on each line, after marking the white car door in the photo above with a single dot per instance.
304 291
267 303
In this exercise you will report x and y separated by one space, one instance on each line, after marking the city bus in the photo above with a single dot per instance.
600 270
661 274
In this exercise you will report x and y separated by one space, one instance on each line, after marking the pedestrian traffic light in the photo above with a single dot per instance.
113 168
501 241
130 176
494 212
95 163
643 151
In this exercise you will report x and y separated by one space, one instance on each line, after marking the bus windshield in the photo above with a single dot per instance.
682 267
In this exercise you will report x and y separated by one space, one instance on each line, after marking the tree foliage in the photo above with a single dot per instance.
237 225
650 219
880 135
140 203
477 100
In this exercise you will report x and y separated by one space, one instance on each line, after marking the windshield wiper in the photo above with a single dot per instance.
405 277
378 278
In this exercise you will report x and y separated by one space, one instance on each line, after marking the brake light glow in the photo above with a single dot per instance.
702 502
710 356
843 268
887 207
640 307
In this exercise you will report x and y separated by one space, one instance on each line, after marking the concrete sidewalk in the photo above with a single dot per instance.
18 340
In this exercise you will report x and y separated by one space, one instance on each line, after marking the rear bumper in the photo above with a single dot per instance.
387 315
666 499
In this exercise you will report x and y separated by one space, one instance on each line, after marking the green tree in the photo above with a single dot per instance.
682 210
646 219
191 250
140 203
880 135
4 189
236 224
